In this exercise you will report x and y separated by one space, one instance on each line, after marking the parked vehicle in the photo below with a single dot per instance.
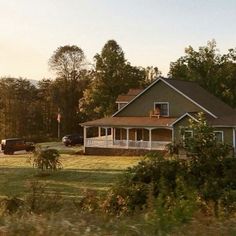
11 145
73 139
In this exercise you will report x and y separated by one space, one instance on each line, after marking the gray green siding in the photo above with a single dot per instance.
177 129
228 131
160 92
228 134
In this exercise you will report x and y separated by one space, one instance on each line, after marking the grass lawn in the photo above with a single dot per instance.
78 174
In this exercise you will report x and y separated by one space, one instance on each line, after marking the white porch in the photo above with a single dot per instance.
129 138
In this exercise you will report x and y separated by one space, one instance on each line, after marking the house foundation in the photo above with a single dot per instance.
98 151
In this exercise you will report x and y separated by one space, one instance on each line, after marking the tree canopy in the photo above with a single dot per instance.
213 71
67 61
72 76
113 75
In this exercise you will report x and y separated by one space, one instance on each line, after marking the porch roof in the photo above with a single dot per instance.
229 121
132 122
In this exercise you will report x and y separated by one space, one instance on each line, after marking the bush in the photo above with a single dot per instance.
154 174
10 205
46 159
212 179
90 202
39 201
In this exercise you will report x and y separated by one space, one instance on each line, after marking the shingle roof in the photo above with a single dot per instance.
129 96
132 122
201 96
229 121
226 115
223 121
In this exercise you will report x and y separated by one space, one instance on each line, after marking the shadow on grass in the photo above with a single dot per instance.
68 182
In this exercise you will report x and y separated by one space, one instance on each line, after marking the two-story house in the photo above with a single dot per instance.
150 119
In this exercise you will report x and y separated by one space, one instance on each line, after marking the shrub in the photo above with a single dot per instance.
154 174
125 199
46 159
38 200
212 179
168 212
210 169
90 202
10 205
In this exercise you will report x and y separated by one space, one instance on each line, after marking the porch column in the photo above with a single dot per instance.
114 135
106 140
135 135
234 140
173 135
85 137
111 132
150 139
127 138
99 131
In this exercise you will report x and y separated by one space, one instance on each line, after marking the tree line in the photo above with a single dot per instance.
80 91
83 91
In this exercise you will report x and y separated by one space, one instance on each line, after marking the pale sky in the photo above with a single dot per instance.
150 32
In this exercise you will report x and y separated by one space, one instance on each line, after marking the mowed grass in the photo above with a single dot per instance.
79 173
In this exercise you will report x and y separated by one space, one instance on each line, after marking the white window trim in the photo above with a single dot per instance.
122 102
188 131
168 107
222 134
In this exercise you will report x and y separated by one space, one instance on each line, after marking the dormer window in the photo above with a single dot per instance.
162 108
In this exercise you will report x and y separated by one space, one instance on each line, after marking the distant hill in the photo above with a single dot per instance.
34 82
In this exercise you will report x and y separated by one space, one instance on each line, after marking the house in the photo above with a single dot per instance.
150 119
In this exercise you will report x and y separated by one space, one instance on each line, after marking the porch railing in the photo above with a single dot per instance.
109 143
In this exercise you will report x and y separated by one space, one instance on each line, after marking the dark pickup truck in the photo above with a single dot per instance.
11 145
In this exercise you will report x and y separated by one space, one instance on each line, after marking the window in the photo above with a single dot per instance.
188 134
219 136
161 108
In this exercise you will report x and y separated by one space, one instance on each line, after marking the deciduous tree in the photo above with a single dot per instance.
210 69
113 75
69 64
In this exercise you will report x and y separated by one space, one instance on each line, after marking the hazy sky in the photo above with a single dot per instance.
150 32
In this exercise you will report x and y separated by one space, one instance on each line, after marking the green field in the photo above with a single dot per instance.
57 216
78 174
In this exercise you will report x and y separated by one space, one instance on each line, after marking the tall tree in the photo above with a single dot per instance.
69 64
113 75
213 71
18 110
152 73
67 61
48 109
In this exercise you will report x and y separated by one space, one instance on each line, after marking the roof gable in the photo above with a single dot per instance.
194 93
142 92
191 116
201 97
